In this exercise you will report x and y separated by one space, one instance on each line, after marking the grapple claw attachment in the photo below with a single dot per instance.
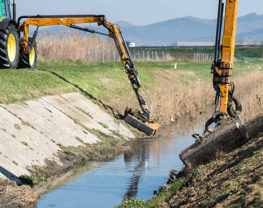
230 135
140 122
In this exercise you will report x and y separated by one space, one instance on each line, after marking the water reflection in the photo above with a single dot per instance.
146 148
184 127
135 174
140 155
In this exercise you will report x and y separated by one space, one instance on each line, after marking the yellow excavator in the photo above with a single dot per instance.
222 67
18 50
224 130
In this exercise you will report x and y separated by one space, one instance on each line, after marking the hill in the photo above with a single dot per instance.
190 29
185 29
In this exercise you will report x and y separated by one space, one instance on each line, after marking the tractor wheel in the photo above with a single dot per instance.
29 60
9 47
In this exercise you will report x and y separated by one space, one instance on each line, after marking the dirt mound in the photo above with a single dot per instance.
235 180
231 135
13 196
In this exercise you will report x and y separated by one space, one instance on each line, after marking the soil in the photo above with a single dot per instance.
13 196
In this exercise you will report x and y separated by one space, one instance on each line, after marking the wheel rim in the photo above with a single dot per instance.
11 47
32 57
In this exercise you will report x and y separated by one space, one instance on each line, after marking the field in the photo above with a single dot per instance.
240 52
172 95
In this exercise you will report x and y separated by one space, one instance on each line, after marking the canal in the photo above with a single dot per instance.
134 174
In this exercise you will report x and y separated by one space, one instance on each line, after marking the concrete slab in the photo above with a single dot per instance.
77 114
33 131
51 122
98 115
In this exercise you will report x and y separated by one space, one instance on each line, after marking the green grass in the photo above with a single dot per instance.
103 80
24 84
96 78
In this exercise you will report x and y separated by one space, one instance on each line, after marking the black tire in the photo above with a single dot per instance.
9 56
28 60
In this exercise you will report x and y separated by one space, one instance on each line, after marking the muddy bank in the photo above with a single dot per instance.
234 180
52 175
74 158
211 147
13 196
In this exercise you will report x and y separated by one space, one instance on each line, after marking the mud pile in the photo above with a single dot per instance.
15 196
228 137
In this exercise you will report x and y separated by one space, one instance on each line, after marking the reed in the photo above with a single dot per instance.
196 101
74 47
92 48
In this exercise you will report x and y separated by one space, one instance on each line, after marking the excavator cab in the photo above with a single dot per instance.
5 12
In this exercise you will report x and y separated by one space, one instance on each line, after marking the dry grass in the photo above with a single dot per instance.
71 46
180 105
249 90
181 102
92 48
195 102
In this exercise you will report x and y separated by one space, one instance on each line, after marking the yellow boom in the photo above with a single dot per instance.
223 72
139 120
222 66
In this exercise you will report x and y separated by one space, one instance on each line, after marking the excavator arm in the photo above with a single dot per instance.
224 131
223 65
140 120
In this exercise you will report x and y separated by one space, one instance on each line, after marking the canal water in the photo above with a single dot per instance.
132 175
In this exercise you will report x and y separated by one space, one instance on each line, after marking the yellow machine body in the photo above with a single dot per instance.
223 72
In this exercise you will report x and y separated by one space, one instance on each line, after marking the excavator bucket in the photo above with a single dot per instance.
229 136
150 128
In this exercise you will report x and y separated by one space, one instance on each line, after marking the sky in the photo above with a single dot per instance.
136 12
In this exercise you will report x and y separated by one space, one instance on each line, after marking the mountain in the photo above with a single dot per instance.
249 23
185 29
190 29
252 36
181 29
59 29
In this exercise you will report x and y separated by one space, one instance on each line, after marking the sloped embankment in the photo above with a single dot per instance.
234 180
44 137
